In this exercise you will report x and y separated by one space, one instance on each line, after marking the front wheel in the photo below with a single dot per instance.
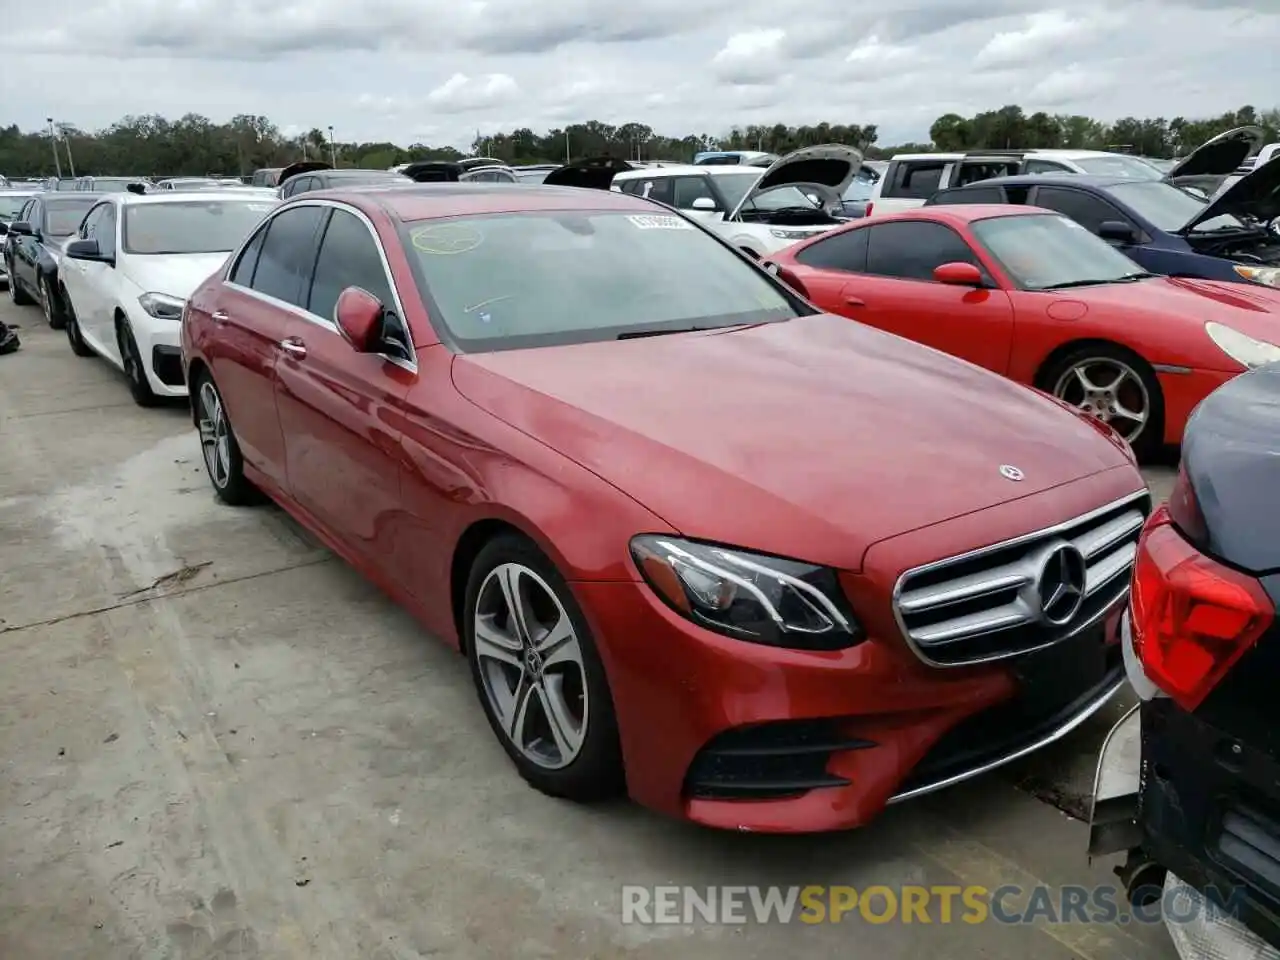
134 370
538 674
1117 387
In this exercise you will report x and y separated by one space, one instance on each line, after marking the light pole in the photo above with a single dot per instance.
53 142
66 141
333 153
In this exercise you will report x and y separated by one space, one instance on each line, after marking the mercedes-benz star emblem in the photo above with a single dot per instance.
1060 586
1011 472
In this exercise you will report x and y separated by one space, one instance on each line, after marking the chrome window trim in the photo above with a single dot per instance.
1042 533
301 312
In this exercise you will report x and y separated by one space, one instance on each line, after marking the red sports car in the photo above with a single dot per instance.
682 524
1032 295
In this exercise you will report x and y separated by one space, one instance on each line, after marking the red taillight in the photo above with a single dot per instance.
1191 617
867 212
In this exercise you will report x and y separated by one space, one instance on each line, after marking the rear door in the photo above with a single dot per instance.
261 296
898 293
339 408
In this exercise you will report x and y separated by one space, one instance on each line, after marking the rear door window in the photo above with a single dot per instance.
971 195
288 251
846 252
915 179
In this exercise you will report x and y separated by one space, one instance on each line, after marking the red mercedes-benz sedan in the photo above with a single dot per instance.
1035 296
759 566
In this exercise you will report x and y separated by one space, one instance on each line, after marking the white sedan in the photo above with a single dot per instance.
127 273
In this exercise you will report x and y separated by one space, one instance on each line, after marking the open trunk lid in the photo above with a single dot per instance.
302 166
1220 155
595 173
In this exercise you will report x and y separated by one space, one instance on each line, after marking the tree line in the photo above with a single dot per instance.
196 145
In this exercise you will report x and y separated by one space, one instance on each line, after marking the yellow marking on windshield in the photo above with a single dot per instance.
446 239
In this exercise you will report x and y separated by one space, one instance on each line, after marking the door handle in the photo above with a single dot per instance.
220 316
855 301
294 347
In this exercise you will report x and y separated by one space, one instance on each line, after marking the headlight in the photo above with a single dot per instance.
1265 275
162 306
749 596
1241 348
790 234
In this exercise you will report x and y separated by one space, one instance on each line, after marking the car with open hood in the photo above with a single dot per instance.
759 617
1162 227
1207 168
759 211
33 248
1030 294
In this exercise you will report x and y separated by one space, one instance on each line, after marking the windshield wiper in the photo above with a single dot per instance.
1074 283
662 332
1140 275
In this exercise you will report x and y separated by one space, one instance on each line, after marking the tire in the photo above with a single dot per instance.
582 763
51 306
134 370
18 296
1136 383
225 466
74 337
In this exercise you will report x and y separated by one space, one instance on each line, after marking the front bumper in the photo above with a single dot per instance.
159 344
745 737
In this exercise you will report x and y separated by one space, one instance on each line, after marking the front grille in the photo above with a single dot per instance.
991 603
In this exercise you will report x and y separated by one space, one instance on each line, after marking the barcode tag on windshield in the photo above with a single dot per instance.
644 222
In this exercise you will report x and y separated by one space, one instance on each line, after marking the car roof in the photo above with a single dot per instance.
1054 179
429 201
960 213
193 196
689 170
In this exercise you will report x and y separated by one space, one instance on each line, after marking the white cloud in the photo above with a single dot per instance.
411 69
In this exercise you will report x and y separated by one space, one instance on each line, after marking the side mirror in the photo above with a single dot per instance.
358 313
1117 231
958 274
85 250
703 203
21 228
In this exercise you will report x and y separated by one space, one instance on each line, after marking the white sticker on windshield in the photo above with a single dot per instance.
646 222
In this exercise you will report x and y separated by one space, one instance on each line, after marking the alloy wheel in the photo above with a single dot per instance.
46 302
214 439
1110 390
530 665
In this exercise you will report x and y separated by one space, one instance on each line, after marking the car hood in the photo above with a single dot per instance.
595 173
1232 461
1256 194
830 164
177 275
812 438
302 166
1220 155
1253 309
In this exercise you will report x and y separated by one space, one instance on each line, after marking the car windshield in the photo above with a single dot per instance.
734 186
1048 251
532 176
1119 166
11 204
860 189
536 279
191 226
1169 208
61 219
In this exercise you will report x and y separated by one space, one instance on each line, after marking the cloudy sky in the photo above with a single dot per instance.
437 71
